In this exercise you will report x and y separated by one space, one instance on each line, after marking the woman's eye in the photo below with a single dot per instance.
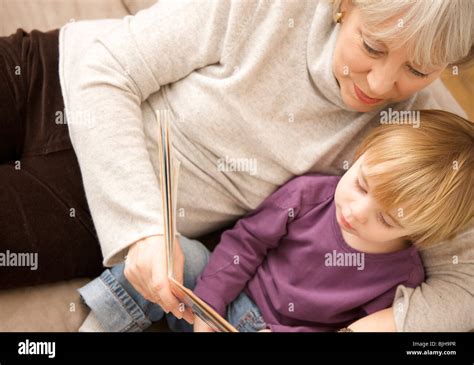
370 49
383 221
417 73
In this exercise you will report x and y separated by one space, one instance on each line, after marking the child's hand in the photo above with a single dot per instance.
201 326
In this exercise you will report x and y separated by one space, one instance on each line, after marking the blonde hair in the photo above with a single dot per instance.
435 32
427 172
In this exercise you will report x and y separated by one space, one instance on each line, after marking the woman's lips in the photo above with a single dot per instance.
364 98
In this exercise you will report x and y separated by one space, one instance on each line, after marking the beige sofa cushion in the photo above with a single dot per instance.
52 307
52 14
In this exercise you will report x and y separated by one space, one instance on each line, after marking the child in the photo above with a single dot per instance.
324 251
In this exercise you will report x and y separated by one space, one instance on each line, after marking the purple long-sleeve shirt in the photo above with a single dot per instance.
289 256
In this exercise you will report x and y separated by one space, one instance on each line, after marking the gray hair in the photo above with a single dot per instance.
435 32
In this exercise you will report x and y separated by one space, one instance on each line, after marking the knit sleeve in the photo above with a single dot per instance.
116 74
445 301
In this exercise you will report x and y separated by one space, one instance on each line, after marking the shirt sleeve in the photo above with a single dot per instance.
243 248
117 73
445 301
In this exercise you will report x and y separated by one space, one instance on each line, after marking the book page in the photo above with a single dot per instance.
169 171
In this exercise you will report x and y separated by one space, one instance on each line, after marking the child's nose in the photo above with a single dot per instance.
359 212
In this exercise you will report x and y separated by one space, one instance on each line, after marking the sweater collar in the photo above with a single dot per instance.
320 53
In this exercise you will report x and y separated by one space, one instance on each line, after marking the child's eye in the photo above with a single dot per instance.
383 221
359 187
417 73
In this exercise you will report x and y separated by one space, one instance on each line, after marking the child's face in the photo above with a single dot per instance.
359 215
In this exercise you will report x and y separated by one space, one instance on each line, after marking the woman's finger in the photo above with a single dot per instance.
168 301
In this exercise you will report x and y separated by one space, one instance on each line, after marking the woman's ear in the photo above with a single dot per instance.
346 6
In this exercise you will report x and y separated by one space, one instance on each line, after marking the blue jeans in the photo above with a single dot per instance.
120 308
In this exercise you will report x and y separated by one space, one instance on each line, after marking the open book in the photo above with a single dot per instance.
169 171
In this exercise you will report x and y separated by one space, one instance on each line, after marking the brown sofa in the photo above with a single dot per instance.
56 307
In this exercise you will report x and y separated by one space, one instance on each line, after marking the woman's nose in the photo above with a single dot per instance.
381 80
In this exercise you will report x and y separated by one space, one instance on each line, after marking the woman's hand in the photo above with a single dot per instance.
201 326
146 270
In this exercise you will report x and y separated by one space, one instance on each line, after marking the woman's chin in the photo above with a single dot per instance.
353 103
357 105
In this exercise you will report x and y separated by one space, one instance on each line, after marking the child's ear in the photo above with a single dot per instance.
408 240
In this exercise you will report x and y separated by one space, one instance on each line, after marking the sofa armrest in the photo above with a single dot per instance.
461 87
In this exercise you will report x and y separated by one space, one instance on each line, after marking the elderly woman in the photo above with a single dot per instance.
286 87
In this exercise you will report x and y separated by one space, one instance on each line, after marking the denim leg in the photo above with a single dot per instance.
113 306
120 308
244 315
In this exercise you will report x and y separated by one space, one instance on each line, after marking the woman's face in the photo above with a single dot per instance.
370 73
